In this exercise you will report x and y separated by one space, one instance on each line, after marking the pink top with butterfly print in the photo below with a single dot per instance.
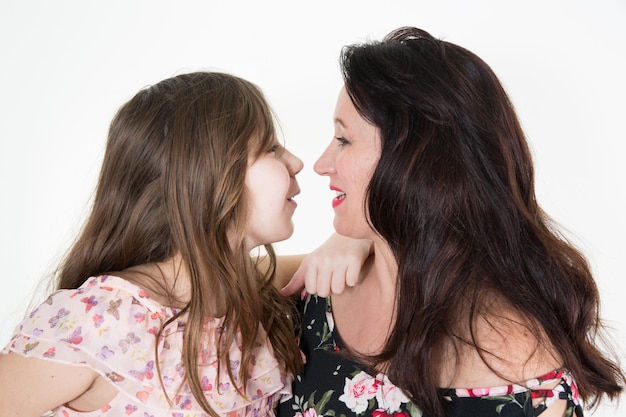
110 326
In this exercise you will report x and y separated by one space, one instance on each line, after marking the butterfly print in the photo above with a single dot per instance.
130 340
207 356
75 338
139 317
121 334
34 312
97 320
30 346
186 404
206 385
78 291
167 381
50 353
146 373
105 353
113 308
144 395
258 395
115 377
90 302
180 368
60 314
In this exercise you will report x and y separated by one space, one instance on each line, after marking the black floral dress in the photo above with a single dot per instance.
332 385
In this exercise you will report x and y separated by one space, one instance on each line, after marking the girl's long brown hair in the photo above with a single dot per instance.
172 181
453 195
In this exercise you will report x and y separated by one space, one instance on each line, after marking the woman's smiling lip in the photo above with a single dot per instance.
339 198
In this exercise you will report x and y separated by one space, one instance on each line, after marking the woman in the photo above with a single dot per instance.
471 303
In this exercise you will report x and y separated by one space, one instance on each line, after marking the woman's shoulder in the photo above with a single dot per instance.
537 394
503 347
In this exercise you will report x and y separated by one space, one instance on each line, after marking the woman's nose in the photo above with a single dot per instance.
324 164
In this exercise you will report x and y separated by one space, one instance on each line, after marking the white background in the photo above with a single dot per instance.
66 66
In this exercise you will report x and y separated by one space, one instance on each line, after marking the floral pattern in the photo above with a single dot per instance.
332 385
110 326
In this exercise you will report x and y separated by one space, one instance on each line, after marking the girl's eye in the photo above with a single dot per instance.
342 141
273 149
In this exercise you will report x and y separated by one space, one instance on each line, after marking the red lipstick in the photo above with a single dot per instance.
339 198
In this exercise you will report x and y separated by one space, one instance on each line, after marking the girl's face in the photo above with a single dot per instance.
271 185
349 162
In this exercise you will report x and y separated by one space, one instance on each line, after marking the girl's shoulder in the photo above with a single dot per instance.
101 314
106 325
108 296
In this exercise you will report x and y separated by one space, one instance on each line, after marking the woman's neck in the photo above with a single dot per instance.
365 329
385 269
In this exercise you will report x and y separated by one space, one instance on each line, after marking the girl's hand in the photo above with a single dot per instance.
328 269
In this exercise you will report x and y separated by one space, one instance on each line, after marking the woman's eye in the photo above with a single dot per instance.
273 149
342 141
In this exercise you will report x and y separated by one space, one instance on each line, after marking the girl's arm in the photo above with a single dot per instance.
328 269
32 386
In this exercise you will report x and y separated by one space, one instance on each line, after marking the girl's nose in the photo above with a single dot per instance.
294 164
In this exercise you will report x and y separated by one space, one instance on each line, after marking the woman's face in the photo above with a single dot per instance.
349 162
271 185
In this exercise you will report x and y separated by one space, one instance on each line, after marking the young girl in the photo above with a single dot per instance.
160 310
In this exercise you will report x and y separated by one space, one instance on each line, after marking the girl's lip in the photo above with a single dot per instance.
293 193
291 199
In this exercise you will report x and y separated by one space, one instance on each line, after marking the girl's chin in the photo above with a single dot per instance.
286 235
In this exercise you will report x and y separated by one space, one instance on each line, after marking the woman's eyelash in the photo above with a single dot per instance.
273 148
342 141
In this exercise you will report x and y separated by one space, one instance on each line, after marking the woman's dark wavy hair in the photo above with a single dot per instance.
173 182
453 196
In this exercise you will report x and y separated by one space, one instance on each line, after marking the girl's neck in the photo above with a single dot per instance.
167 282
